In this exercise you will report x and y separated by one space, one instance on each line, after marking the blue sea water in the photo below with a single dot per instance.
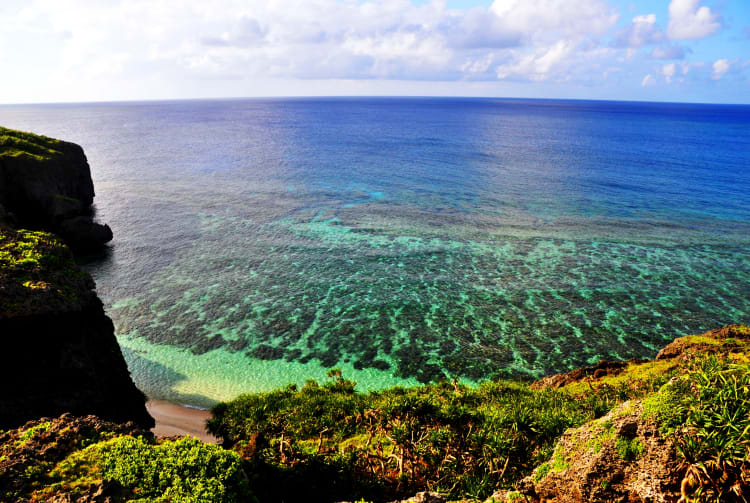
259 242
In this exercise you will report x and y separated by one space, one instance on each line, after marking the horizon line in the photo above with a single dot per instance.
346 96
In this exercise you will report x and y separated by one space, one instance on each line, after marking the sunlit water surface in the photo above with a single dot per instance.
259 242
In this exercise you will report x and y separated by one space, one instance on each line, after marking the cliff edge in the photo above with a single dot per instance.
46 184
59 352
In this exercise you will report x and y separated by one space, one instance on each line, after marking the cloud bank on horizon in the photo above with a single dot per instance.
85 50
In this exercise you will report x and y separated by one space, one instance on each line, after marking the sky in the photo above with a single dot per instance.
111 50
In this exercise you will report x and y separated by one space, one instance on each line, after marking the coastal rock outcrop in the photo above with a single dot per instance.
59 352
619 457
82 233
601 369
720 340
46 184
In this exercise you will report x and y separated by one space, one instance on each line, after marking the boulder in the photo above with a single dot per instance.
83 234
720 340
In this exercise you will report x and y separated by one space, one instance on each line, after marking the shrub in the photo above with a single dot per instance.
707 414
184 470
442 437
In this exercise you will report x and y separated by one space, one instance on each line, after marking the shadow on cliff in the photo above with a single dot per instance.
162 381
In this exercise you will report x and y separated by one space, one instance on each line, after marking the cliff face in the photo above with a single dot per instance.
46 184
59 353
58 350
66 362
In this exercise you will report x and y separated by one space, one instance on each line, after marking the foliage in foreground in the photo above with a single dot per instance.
326 442
63 460
707 414
454 439
183 470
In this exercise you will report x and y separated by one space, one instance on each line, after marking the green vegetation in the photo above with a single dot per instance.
462 441
560 460
25 250
38 271
603 432
443 437
183 470
628 448
31 431
541 471
707 415
71 459
327 442
636 380
27 145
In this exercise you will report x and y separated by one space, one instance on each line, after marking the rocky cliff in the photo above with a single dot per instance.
46 184
59 353
689 441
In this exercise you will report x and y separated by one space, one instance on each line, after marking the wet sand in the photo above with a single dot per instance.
172 419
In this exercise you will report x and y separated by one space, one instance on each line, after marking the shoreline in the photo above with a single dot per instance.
174 419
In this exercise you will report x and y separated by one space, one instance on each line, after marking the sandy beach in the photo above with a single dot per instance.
173 419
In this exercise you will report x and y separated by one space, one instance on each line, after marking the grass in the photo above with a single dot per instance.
468 441
628 449
15 144
636 378
603 431
27 250
327 442
26 436
541 471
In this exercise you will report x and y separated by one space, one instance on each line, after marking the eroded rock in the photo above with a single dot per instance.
619 457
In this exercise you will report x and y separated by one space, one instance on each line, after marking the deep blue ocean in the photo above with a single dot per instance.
259 242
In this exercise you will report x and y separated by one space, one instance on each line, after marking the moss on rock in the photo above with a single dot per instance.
38 275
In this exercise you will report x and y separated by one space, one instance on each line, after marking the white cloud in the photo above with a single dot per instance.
539 64
686 67
720 67
548 20
475 66
688 21
668 72
641 31
648 80
325 39
244 47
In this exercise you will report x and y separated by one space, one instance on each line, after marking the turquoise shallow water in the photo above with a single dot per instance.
260 242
